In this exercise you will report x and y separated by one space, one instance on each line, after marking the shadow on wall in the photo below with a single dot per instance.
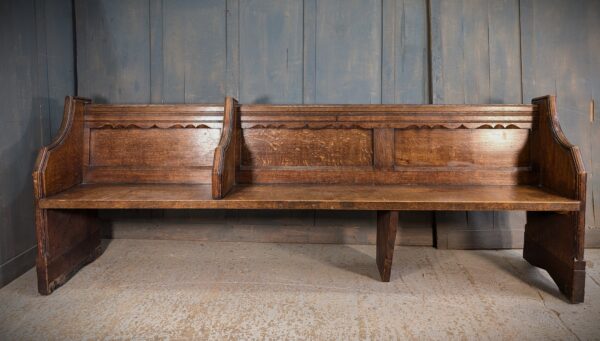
98 99
262 100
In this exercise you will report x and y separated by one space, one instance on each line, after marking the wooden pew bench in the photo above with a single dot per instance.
384 158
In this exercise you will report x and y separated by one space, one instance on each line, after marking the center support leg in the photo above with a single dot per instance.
387 225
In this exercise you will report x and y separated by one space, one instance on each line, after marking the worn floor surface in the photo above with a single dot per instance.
181 290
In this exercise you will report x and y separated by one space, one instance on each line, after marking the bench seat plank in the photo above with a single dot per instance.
298 196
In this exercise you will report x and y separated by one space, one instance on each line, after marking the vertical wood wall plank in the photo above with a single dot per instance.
156 51
348 51
504 52
447 43
388 50
309 81
526 36
475 50
113 45
271 51
232 19
194 51
40 76
405 74
59 57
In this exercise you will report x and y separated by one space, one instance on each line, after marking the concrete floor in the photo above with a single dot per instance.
182 290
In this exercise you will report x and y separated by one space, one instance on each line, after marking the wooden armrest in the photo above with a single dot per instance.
59 164
227 151
558 162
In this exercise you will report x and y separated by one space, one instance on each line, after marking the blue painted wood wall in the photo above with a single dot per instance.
36 72
355 51
294 51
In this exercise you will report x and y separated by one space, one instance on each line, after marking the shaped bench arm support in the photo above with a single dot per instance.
59 165
227 152
555 240
558 162
66 239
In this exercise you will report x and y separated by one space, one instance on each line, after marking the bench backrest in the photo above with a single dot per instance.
346 144
150 143
385 144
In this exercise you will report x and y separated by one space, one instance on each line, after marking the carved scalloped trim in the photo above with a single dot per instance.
294 125
499 126
308 126
151 126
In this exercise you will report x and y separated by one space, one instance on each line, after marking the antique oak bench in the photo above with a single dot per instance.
383 158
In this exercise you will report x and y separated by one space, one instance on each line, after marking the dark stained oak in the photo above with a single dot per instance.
265 148
66 240
227 153
299 196
387 225
162 148
550 244
384 158
476 148
555 241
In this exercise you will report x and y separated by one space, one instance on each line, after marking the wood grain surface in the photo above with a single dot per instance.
295 196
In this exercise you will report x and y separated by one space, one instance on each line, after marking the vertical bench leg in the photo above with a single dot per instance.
553 242
67 240
387 224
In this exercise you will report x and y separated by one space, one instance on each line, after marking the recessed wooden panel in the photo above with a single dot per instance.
157 148
462 147
307 147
